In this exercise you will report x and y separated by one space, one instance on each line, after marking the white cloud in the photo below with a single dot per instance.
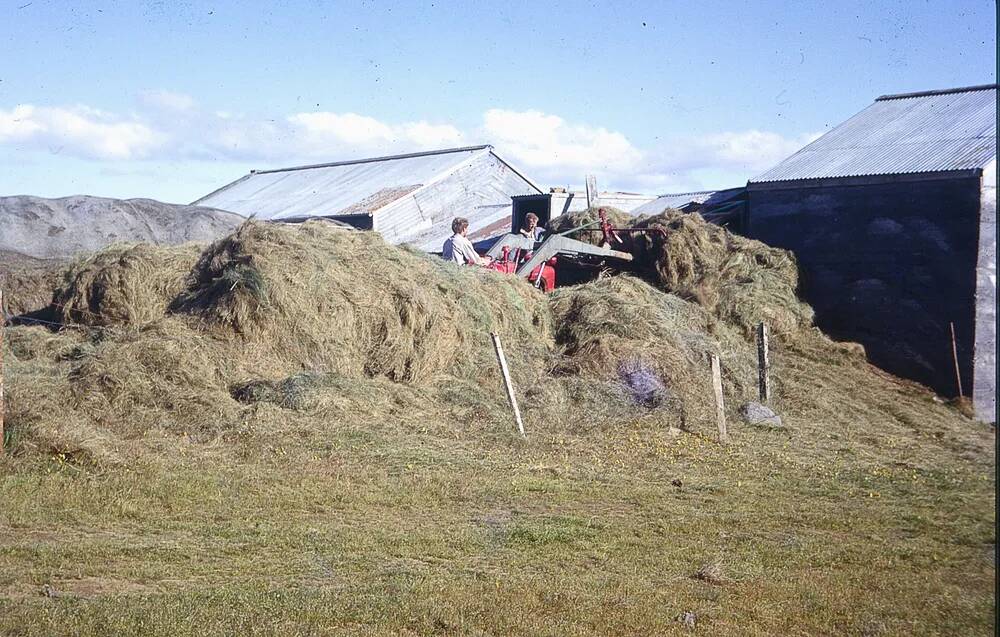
19 123
346 128
426 135
748 151
553 147
166 100
552 150
79 130
323 132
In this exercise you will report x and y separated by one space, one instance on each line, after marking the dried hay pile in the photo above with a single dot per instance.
738 280
623 329
123 284
304 318
315 297
27 283
281 332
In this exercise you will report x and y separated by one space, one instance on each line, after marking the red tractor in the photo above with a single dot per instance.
559 259
513 254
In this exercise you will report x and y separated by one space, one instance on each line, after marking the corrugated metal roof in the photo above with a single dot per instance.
932 131
340 188
680 200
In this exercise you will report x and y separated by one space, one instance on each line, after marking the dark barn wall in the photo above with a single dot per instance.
886 263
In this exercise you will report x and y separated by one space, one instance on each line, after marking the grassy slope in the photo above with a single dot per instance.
467 530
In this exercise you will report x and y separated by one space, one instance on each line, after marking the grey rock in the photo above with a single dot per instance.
759 415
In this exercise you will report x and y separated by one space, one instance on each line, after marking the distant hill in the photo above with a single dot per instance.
59 228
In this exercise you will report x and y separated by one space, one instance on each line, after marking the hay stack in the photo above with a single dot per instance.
619 328
40 413
305 318
590 217
163 375
313 297
281 332
27 283
123 285
738 280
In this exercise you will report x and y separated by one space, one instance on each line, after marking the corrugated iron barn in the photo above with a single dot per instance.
892 216
407 198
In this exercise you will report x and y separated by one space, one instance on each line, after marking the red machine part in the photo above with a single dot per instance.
543 277
610 233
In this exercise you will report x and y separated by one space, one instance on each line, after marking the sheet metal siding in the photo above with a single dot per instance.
934 133
479 190
984 393
331 189
577 201
663 202
883 266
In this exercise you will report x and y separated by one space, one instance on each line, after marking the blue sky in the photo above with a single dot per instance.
171 100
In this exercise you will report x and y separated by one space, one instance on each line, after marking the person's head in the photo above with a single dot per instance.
530 221
459 225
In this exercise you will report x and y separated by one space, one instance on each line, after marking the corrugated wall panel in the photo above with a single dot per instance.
476 190
984 380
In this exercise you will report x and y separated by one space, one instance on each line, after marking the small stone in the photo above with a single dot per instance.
758 415
688 618
712 573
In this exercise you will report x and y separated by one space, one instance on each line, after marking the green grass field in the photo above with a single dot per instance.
467 530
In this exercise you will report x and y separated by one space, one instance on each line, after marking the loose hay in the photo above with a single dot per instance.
347 303
163 375
27 283
123 285
608 323
285 331
738 280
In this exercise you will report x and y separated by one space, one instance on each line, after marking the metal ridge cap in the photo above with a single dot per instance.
945 91
425 153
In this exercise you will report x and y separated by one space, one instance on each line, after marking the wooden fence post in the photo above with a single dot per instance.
720 408
954 355
763 364
591 191
3 319
507 383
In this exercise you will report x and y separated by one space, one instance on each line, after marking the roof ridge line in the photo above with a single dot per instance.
693 192
425 153
944 91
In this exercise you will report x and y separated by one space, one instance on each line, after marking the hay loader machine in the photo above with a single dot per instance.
539 262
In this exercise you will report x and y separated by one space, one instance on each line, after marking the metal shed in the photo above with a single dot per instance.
892 216
409 198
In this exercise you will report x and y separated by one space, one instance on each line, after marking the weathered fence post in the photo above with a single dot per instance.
591 191
763 364
3 319
720 408
954 355
507 383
